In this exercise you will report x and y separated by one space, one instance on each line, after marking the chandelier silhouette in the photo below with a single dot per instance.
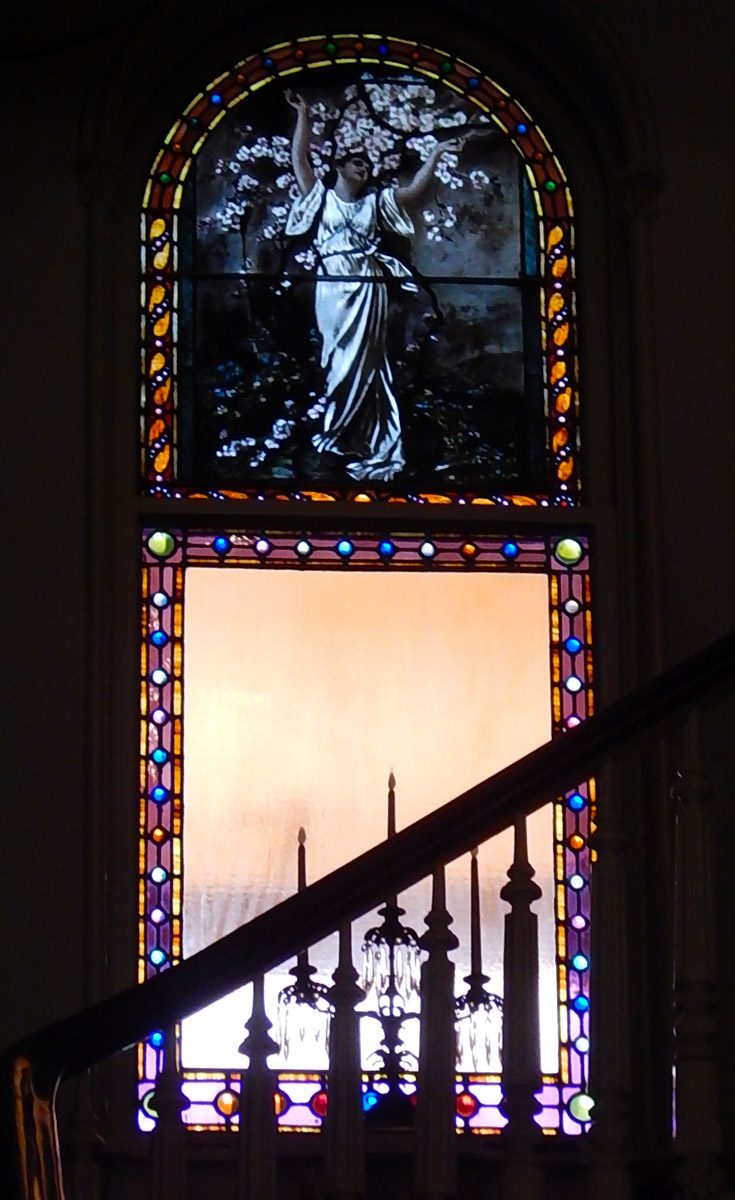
479 1012
391 976
304 1008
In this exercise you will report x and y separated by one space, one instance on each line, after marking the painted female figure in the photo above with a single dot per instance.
362 420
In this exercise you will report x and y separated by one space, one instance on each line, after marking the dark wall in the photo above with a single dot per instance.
644 95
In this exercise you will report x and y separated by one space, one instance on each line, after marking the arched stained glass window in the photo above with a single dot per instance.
395 316
358 285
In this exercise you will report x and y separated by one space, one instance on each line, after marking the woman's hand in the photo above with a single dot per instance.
296 101
453 146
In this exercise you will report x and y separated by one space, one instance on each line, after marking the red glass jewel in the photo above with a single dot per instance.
466 1105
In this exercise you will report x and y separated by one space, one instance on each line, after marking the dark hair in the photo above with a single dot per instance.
340 159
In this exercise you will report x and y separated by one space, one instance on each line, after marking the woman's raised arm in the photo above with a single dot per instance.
300 143
417 191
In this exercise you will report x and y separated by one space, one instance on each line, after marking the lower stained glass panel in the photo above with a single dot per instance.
299 1102
561 568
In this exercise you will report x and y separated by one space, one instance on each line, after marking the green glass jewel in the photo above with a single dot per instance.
568 551
161 544
580 1106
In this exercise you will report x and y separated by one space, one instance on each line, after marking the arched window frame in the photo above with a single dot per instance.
160 250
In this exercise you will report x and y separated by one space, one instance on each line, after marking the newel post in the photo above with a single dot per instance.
344 1125
698 1138
258 1126
436 1134
523 1178
169 1140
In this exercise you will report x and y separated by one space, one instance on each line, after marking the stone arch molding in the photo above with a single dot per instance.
568 67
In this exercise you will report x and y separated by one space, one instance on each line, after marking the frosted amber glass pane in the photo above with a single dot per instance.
302 690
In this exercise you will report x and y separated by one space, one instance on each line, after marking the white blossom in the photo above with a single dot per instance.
306 258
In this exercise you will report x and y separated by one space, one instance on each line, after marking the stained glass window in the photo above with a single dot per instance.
357 284
358 278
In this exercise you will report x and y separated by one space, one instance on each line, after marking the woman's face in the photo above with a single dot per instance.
355 171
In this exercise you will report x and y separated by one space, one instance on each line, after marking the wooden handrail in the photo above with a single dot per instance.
35 1064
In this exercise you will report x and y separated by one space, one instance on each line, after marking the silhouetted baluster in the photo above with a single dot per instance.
610 1059
344 1125
258 1124
436 1137
698 1135
169 1140
521 1050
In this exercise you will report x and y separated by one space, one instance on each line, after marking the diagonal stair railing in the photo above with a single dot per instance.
32 1069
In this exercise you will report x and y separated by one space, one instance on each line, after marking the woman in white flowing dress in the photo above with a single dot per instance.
361 420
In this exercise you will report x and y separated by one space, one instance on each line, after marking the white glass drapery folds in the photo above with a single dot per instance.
361 420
